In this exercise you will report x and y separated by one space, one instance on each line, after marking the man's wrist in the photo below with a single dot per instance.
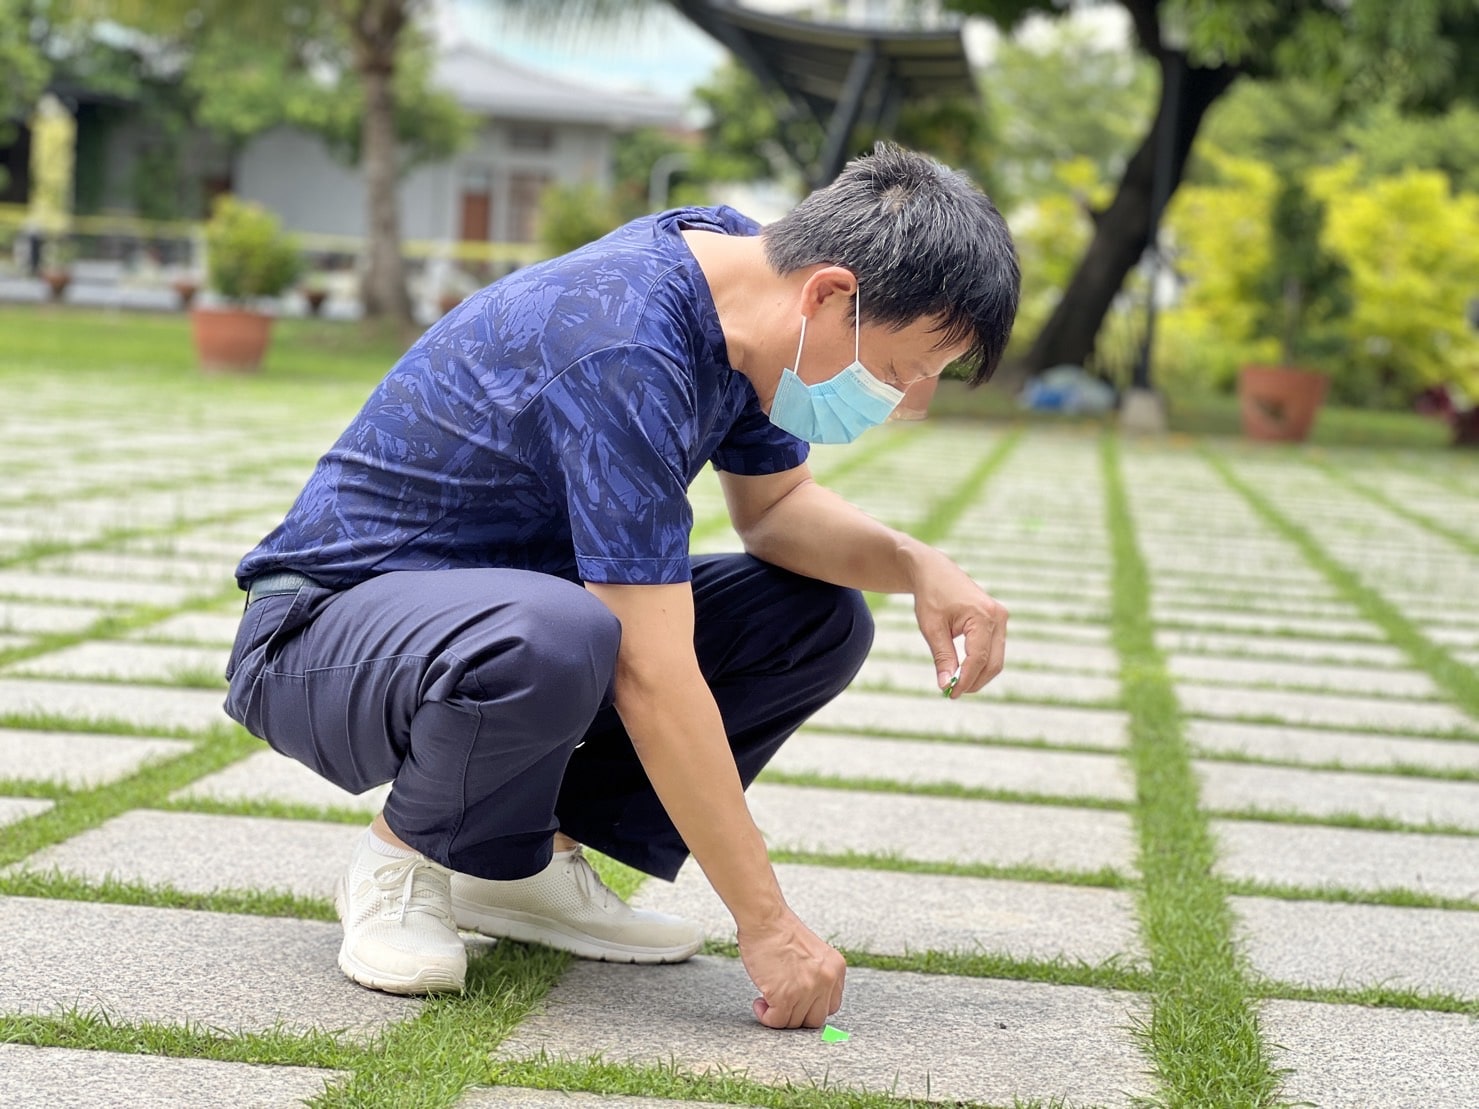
915 560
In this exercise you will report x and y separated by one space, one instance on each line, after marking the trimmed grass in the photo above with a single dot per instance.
1203 1034
1202 415
158 349
1459 681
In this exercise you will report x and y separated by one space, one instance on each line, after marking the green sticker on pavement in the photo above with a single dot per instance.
832 1035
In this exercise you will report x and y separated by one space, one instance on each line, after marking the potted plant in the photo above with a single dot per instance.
186 285
249 259
56 266
1280 403
315 292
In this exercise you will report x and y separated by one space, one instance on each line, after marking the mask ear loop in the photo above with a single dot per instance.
796 369
857 326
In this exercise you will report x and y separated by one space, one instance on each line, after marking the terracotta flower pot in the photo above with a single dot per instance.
230 340
1279 403
185 289
57 282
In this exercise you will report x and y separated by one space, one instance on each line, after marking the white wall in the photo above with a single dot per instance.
291 173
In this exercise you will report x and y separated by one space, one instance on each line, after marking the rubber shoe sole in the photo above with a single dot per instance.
426 981
511 924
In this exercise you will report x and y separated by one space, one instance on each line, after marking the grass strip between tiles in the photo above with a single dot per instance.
666 1080
76 811
1459 681
1394 506
1203 1033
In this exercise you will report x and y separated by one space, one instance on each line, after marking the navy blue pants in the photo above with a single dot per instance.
484 697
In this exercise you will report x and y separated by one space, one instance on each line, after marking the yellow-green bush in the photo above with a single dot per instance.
1411 246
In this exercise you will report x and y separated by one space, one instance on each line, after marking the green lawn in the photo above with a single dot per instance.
333 354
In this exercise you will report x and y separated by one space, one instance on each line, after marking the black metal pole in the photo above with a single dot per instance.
1160 196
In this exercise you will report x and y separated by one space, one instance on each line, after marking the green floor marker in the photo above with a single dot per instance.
832 1035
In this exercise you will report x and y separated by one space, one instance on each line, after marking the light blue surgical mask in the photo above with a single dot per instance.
839 409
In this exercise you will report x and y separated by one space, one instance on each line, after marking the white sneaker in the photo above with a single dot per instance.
398 930
567 906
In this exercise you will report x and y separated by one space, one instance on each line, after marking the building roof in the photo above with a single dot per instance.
492 85
840 75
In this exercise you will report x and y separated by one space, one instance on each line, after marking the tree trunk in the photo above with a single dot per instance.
1122 231
376 27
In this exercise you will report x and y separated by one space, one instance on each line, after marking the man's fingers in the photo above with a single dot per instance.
985 651
817 1015
773 1016
835 1002
942 646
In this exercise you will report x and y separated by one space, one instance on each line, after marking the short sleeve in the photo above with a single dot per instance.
621 425
755 447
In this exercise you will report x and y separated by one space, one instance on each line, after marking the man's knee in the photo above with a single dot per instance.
553 663
852 630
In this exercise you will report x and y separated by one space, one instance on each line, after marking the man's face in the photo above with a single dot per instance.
899 358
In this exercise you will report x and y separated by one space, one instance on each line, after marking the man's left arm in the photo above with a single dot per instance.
787 519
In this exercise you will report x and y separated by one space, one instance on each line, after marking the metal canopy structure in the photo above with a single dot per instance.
838 75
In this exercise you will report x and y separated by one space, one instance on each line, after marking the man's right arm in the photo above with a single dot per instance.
676 729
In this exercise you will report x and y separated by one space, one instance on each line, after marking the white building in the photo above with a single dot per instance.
533 130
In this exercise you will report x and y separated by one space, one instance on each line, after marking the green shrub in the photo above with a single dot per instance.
248 255
572 215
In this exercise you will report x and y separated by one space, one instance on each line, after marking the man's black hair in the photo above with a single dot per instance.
922 241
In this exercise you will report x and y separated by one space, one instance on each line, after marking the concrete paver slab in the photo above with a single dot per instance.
1235 786
135 706
226 852
942 829
1031 627
486 1097
1352 1057
1383 682
268 776
119 661
1268 623
1321 944
1230 644
919 762
65 587
1349 858
1025 1039
1337 710
76 760
194 627
1316 745
21 808
918 677
974 719
219 970
1461 637
38 619
65 1078
130 569
889 913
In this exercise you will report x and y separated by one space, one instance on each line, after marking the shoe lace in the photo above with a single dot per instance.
416 885
588 880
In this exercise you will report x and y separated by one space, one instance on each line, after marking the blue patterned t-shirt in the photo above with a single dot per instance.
552 422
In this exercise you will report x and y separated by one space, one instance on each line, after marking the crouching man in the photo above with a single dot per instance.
484 595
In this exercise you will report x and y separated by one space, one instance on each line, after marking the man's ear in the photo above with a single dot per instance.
824 283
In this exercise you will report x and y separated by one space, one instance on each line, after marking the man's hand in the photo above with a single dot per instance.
799 976
947 605
679 736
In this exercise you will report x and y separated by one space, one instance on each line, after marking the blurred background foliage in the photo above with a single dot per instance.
1325 206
